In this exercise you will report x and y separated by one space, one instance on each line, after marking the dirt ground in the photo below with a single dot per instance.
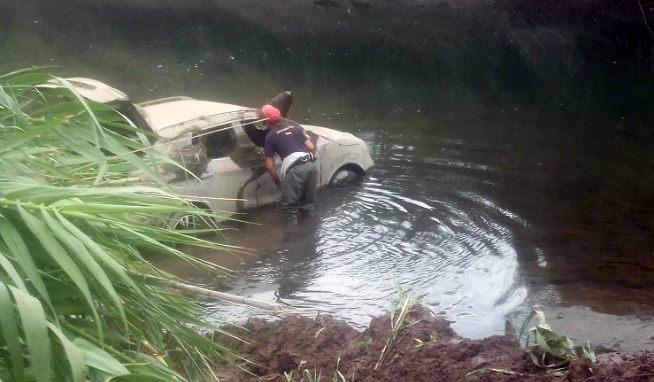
425 349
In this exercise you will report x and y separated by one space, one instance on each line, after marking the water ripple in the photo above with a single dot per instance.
417 222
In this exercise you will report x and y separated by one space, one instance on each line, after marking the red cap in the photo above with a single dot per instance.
272 115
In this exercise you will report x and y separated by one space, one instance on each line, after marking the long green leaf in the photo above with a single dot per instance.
74 355
35 329
78 250
18 248
8 101
525 324
11 271
81 147
15 73
29 79
80 253
102 208
10 332
100 253
534 359
540 341
42 233
96 124
149 365
99 359
22 138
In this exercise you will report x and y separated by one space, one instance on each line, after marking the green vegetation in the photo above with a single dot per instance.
316 375
401 305
433 337
546 342
78 299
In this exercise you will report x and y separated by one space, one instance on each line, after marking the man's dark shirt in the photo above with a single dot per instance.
284 139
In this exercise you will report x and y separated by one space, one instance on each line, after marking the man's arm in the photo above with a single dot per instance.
270 166
269 152
310 146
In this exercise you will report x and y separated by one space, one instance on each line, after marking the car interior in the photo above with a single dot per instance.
219 143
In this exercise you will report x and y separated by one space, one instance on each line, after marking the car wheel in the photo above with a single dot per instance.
344 177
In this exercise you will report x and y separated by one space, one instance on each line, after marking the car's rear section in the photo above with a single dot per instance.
339 151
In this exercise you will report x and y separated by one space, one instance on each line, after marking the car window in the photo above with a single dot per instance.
250 138
219 141
257 132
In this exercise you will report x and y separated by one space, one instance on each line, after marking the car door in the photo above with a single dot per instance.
223 181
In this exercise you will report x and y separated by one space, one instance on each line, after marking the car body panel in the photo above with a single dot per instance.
169 117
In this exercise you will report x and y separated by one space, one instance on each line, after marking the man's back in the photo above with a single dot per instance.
298 170
284 139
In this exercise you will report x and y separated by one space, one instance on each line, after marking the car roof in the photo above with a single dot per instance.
169 117
91 89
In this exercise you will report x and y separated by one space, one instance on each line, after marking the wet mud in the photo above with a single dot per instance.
425 349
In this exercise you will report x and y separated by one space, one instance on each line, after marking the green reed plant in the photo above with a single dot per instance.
401 305
77 298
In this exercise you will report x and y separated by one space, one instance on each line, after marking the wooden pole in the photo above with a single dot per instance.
277 308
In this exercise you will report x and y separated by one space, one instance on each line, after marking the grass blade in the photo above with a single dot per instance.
9 328
100 253
78 250
74 356
11 271
22 138
99 359
35 329
525 324
18 248
40 230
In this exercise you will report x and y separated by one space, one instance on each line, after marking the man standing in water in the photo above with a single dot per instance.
298 171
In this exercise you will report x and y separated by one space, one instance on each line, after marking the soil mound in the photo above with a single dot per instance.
425 348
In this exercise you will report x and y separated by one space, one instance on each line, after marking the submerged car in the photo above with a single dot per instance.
222 145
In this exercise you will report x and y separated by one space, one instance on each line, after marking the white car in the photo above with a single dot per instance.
222 145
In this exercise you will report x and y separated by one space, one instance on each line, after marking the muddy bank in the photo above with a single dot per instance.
425 349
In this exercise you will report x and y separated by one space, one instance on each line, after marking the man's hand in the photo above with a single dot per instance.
270 166
310 146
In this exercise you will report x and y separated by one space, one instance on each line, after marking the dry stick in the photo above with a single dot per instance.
153 352
277 308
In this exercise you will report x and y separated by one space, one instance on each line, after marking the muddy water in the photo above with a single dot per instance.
482 227
484 208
